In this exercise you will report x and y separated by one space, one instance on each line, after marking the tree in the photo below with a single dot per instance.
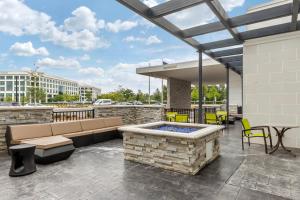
195 94
8 99
156 95
36 94
88 95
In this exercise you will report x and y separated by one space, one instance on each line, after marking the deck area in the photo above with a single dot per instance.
100 172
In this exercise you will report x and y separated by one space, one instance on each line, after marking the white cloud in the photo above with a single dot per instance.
61 62
26 69
85 57
120 25
123 74
93 71
27 49
83 19
17 19
153 39
229 5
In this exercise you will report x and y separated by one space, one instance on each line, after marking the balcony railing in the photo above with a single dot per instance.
72 115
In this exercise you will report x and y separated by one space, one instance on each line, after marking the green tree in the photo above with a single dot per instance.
88 95
8 99
156 96
195 94
36 94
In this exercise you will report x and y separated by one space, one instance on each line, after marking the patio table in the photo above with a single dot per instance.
280 130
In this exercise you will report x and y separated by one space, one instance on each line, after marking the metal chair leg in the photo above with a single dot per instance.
249 141
266 145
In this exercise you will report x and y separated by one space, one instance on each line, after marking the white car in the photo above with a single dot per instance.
101 102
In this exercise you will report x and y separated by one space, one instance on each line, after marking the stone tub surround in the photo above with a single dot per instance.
180 152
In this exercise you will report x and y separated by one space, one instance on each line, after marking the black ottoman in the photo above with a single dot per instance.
22 160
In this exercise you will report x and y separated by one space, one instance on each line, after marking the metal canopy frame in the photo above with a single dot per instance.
231 58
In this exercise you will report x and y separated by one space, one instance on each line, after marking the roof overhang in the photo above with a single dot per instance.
213 72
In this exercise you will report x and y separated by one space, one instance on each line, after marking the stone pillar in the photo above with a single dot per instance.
235 94
179 94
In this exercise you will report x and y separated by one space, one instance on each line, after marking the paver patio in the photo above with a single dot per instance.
99 172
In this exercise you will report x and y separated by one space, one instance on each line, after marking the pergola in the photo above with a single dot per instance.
230 56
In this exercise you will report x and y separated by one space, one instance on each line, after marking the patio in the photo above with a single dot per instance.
100 172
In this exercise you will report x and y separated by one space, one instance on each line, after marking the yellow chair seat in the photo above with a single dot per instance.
258 135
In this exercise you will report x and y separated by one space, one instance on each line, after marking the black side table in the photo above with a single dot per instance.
22 160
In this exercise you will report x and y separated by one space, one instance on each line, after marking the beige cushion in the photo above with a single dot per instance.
78 134
92 124
65 128
48 142
83 133
21 132
113 121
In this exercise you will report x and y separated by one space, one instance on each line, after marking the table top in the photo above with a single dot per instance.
21 146
284 126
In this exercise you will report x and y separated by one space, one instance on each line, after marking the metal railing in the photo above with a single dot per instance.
192 113
72 115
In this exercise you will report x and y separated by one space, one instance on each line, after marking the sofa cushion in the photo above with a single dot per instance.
48 142
96 131
78 134
65 127
21 132
113 121
92 124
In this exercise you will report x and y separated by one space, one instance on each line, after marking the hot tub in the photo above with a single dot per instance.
180 147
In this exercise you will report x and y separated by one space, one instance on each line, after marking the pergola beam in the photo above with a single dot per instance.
295 11
221 14
255 17
267 31
231 59
172 6
220 44
228 52
252 34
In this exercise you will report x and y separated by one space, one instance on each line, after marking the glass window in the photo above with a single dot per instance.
2 88
9 77
9 86
2 82
2 77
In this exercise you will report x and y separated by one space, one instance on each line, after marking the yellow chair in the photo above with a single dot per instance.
222 115
257 131
170 116
182 118
212 118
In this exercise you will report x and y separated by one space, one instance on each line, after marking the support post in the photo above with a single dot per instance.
162 91
149 92
227 94
16 88
200 84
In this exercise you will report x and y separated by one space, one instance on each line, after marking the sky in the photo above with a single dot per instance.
98 42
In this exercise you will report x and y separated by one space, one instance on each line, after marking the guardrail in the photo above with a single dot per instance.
72 115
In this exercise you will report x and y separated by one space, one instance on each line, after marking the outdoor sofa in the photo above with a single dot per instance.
57 141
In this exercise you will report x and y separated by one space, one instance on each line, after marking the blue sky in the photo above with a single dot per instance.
96 42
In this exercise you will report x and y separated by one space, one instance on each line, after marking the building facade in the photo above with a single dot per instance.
14 86
88 93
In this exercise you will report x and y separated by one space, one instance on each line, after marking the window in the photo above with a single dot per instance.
9 77
9 86
2 77
2 82
2 88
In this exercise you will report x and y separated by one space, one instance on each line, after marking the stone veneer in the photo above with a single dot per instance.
178 154
179 94
132 114
22 115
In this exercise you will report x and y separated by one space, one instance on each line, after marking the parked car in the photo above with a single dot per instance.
101 102
137 103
